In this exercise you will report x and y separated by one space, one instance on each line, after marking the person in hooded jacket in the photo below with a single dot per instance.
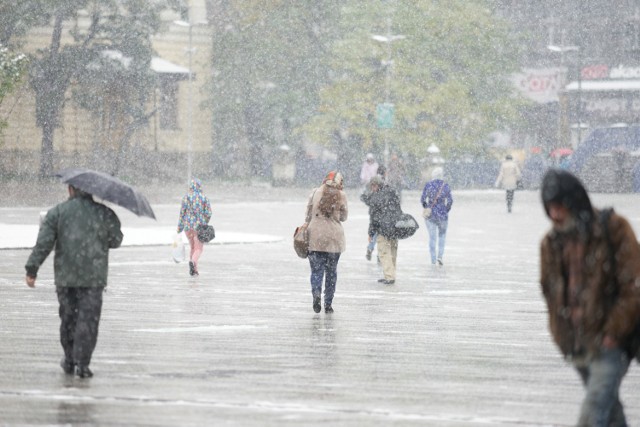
589 273
436 198
81 231
384 212
195 211
508 179
326 211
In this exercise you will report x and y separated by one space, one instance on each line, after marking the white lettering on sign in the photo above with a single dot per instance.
622 72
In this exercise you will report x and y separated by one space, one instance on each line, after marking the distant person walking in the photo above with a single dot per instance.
369 169
508 179
384 212
589 273
326 211
437 201
195 211
81 231
365 197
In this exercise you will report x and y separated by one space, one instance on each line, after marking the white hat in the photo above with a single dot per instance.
437 173
370 156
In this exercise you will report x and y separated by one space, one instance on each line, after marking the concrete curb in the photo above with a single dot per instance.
19 236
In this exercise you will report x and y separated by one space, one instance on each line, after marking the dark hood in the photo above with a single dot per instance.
562 187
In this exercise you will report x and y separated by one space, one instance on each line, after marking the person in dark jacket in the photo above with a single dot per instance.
436 200
589 273
81 231
384 212
364 197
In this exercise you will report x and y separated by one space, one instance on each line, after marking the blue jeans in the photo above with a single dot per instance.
324 265
602 377
437 232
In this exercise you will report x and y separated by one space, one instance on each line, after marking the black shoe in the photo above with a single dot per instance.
83 371
368 255
67 366
328 309
316 304
387 282
192 268
440 262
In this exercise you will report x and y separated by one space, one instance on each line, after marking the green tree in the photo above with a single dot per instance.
12 70
268 69
81 30
447 78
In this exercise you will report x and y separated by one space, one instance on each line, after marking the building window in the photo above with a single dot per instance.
168 108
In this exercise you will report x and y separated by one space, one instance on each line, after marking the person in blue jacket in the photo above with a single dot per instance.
437 201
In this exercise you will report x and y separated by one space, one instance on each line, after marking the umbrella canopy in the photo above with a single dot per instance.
603 140
108 188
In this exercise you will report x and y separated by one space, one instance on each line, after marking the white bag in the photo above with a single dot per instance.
177 249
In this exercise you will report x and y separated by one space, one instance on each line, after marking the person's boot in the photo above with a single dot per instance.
83 371
316 304
328 309
192 268
67 366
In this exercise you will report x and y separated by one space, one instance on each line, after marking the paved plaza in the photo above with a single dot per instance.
462 345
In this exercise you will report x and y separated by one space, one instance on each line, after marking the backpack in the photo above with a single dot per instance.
633 347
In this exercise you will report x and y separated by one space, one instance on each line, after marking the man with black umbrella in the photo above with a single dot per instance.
81 231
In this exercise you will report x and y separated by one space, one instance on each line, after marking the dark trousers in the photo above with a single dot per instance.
80 310
510 199
324 265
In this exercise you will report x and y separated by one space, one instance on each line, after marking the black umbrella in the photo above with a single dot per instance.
109 188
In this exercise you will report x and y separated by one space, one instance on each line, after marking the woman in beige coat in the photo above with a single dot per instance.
326 209
508 179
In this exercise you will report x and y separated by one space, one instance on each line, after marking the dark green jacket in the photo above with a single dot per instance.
82 232
384 212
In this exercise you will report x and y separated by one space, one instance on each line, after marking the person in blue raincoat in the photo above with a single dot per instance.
194 211
437 201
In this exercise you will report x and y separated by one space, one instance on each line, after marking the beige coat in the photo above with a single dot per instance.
509 175
326 233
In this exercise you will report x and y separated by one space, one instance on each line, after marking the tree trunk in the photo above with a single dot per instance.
46 151
49 98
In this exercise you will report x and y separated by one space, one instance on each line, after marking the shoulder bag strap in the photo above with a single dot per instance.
435 200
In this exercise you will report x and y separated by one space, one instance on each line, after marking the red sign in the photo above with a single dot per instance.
595 72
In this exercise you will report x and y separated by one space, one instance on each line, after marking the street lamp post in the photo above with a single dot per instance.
388 63
562 49
189 97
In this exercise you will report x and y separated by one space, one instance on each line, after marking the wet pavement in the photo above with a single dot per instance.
461 345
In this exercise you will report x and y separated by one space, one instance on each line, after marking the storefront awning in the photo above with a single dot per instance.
605 85
162 66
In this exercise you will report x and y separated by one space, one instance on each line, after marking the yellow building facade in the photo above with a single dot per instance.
176 139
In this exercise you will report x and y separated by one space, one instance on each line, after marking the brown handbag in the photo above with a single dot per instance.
301 241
